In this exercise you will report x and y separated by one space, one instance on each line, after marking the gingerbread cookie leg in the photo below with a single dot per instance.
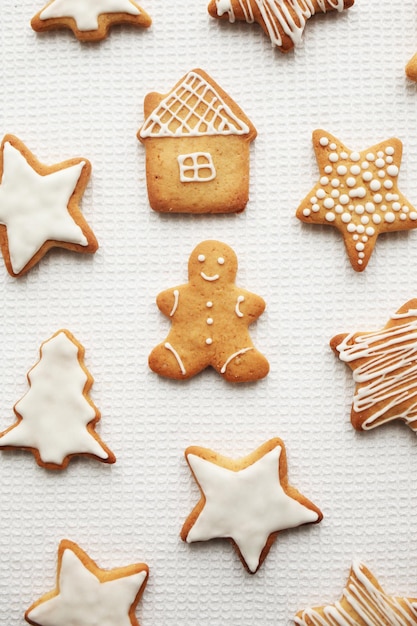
173 361
244 365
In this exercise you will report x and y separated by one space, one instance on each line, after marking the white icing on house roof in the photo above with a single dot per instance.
193 109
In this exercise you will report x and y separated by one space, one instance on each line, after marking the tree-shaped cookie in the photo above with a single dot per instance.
56 418
210 317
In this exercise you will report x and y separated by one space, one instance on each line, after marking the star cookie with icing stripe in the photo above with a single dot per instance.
247 501
384 365
358 194
39 207
88 595
89 20
363 603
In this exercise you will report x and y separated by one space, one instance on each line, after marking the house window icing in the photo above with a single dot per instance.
196 167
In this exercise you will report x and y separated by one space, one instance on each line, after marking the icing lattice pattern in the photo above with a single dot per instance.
195 109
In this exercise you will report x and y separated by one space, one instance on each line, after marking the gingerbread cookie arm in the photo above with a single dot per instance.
249 305
169 300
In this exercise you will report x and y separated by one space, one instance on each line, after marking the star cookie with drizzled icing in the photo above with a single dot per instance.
358 194
384 364
363 603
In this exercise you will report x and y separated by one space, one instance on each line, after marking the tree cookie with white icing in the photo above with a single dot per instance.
197 148
282 20
210 316
384 365
56 418
89 20
363 603
88 595
39 207
358 194
247 501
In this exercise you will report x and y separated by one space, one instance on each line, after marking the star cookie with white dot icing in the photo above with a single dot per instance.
88 595
384 365
89 20
56 418
358 194
247 501
363 603
39 207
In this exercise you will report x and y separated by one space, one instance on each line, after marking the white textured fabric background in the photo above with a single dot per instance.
66 99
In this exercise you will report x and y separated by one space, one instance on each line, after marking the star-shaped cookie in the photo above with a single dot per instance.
88 595
89 20
363 603
384 364
247 501
39 207
56 418
282 20
358 194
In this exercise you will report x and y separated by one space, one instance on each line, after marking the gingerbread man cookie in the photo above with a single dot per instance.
210 317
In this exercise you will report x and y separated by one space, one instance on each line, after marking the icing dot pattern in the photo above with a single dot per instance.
357 192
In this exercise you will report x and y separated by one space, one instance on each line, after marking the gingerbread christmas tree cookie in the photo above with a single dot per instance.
210 316
282 20
363 603
87 595
384 366
89 20
39 207
247 501
358 194
56 417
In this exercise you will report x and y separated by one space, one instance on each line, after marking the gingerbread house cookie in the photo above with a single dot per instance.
197 148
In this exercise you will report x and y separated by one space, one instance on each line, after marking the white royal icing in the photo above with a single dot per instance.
34 208
233 356
176 301
389 373
246 505
86 12
84 600
54 411
238 312
208 278
280 16
193 109
367 605
196 167
177 356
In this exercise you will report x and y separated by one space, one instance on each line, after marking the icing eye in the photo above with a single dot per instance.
201 258
220 260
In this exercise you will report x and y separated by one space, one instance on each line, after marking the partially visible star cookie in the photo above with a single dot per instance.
384 364
363 603
411 68
89 20
39 207
358 194
282 20
56 418
247 501
88 595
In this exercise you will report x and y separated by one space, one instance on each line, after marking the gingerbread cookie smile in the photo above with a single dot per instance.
210 316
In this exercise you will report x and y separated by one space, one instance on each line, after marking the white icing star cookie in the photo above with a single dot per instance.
246 501
88 595
56 418
89 20
384 365
39 207
363 603
358 194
